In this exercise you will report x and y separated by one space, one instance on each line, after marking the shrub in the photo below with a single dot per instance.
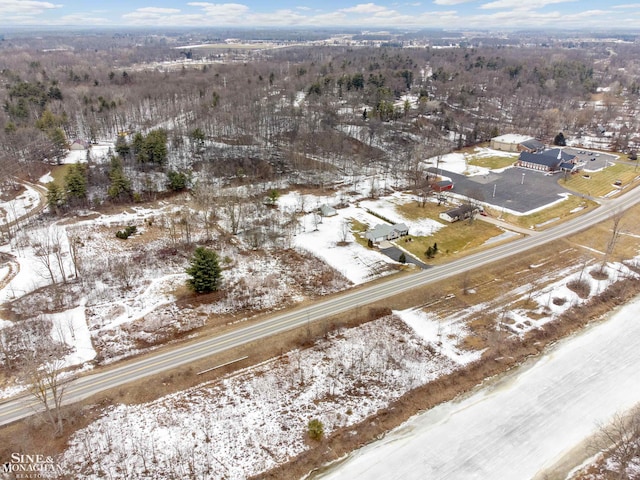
127 232
315 429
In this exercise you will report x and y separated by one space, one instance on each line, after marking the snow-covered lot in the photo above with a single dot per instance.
257 418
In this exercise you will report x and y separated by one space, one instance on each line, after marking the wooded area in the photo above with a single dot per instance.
303 113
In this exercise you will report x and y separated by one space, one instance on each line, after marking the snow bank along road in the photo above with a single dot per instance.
523 424
159 361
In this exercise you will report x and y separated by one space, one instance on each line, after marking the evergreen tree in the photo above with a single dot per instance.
122 147
560 140
155 146
120 187
205 271
59 141
55 196
75 183
403 258
177 180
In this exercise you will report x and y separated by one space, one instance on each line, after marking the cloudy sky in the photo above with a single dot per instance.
496 14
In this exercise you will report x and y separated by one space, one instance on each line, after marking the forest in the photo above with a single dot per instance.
305 110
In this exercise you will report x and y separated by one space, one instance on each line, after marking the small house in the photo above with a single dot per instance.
460 213
328 211
384 231
80 145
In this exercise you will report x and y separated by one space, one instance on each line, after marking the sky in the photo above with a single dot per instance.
458 14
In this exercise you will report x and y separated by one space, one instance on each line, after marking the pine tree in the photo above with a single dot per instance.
75 183
55 196
205 271
403 258
120 187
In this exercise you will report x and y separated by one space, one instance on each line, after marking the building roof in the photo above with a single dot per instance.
384 230
327 210
533 144
512 138
549 158
461 210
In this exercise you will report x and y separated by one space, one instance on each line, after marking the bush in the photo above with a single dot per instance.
177 181
315 429
127 232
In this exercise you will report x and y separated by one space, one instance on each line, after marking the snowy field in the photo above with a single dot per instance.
256 419
520 426
18 207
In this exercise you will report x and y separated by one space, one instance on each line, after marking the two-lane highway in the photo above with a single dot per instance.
166 359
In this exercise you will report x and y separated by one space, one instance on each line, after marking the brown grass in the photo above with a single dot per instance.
490 284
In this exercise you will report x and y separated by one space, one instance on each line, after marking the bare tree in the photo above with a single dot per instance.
615 233
344 231
620 442
48 388
74 252
235 211
43 249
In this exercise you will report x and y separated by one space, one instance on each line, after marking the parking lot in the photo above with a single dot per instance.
517 189
592 160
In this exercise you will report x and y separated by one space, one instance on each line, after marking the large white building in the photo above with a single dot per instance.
516 143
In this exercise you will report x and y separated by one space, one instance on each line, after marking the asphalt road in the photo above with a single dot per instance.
157 362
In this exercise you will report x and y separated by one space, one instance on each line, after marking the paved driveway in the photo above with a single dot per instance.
517 189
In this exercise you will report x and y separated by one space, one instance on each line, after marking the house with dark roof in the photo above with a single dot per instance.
384 231
460 213
553 160
532 145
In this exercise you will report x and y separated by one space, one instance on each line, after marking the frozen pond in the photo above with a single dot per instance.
522 424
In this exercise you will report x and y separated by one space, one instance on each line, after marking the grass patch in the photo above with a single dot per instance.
549 216
600 183
493 162
358 229
58 173
453 239
413 211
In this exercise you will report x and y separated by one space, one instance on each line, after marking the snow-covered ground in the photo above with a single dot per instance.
524 423
256 419
18 207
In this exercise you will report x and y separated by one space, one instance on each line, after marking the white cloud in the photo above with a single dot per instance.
82 19
450 2
627 5
157 10
365 8
18 8
222 9
520 5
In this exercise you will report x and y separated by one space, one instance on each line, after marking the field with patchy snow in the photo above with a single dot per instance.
257 418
